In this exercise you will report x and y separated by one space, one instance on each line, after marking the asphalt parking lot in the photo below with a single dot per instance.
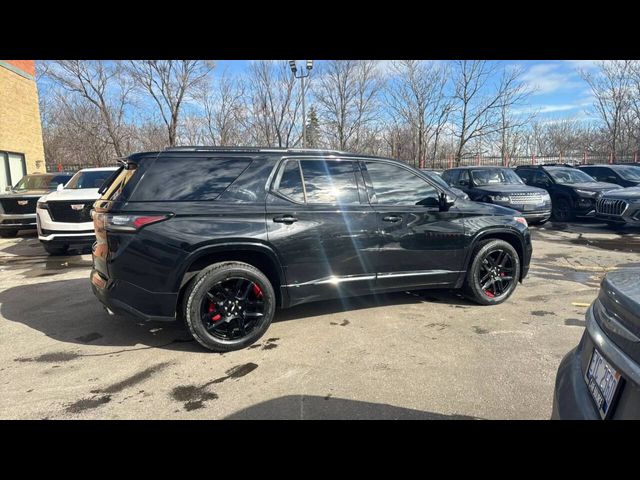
417 355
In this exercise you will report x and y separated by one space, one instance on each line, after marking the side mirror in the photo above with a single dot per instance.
60 187
445 202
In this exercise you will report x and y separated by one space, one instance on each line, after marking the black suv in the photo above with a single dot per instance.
18 204
600 378
573 192
222 236
623 175
501 185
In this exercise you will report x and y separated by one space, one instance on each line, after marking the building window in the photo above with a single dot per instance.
12 169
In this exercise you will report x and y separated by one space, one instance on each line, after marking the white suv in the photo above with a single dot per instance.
64 216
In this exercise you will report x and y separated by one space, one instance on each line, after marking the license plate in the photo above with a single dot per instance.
603 382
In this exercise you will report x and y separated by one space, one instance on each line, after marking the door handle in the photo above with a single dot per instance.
288 219
392 218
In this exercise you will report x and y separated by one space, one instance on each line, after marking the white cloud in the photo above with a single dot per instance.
545 78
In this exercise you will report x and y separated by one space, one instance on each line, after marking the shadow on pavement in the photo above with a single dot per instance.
309 407
328 307
67 311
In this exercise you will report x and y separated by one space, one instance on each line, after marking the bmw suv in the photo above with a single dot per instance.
221 237
573 192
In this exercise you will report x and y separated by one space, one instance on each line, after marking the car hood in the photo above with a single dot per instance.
593 186
624 193
24 193
506 189
89 194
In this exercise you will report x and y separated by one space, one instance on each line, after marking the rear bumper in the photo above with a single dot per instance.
127 299
571 397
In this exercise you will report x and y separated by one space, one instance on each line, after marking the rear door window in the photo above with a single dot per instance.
289 181
194 179
332 182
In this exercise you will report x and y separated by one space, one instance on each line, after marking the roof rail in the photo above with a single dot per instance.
205 148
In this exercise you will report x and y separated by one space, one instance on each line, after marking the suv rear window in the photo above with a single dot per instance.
177 180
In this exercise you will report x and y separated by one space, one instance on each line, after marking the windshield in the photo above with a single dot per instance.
89 179
495 176
570 175
629 173
41 182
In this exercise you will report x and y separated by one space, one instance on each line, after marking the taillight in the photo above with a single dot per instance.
115 222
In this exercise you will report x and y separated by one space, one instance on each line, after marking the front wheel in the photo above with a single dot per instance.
228 306
493 274
561 210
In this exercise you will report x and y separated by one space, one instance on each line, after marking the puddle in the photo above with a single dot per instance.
132 380
622 244
575 322
88 404
54 357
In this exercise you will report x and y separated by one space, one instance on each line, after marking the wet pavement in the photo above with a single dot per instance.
427 354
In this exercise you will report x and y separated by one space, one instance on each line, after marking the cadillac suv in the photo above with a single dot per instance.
221 237
18 204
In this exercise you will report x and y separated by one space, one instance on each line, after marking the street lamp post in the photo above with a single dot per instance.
302 76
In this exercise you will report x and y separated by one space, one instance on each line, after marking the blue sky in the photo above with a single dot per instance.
559 90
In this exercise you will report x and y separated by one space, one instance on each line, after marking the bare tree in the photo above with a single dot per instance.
102 84
223 110
272 104
169 82
611 86
346 95
477 105
417 98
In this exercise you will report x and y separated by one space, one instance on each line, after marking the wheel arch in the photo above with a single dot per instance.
258 255
510 236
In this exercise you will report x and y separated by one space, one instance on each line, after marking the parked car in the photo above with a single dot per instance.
18 204
500 185
623 175
573 192
619 207
63 216
437 178
183 233
600 378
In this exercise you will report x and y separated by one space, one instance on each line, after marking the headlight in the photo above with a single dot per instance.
586 193
42 205
499 198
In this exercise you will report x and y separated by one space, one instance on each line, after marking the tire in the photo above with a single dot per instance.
55 249
8 233
490 250
561 211
214 279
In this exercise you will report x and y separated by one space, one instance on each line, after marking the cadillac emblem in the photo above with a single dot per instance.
23 202
78 206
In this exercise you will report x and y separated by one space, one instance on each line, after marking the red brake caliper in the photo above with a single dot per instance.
212 309
256 291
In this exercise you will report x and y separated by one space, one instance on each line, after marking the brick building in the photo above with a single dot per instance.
21 148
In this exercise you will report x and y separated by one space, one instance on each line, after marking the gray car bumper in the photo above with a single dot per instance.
18 221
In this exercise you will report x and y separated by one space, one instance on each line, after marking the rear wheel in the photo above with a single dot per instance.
228 306
494 272
562 210
8 233
55 249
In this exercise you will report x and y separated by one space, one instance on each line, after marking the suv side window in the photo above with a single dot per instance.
394 185
450 176
289 181
525 175
540 179
329 181
464 179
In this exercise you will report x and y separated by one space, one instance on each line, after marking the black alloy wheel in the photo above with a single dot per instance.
494 272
